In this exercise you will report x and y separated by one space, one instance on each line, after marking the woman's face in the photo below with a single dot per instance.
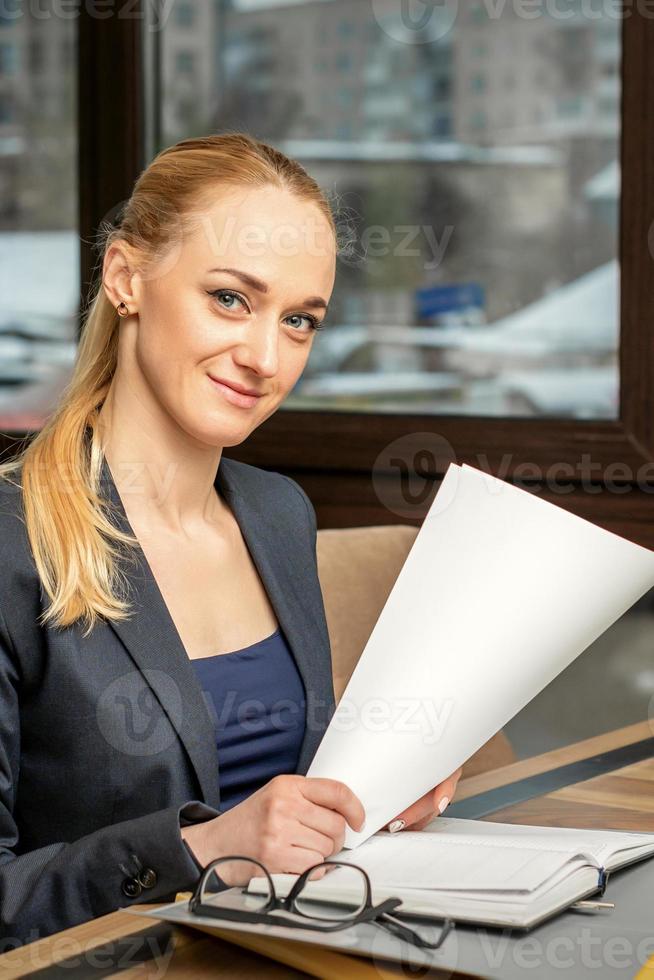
199 330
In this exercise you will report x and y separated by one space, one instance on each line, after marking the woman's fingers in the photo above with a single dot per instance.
420 813
421 808
298 859
421 824
334 795
327 822
313 840
445 791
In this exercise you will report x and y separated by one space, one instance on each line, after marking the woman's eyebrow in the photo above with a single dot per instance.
261 287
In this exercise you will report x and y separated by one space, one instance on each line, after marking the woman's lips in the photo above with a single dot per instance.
234 397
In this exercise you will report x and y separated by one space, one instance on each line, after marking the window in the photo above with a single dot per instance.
345 97
571 107
36 55
7 107
185 62
8 58
9 13
443 127
39 240
443 87
184 14
501 305
608 106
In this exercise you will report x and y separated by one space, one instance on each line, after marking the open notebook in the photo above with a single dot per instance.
482 872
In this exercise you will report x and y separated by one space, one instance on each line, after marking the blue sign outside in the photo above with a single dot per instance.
433 300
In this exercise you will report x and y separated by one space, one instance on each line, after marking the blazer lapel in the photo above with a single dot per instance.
153 642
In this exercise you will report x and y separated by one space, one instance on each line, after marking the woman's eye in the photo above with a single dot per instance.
219 294
312 323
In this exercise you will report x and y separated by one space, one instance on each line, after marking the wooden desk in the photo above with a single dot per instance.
623 799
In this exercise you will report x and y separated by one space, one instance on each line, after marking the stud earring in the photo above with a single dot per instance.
122 309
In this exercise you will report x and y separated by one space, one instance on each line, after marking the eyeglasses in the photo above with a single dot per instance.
232 899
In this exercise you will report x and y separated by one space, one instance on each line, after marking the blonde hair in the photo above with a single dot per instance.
74 544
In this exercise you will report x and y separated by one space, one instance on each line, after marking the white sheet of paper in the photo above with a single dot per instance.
500 592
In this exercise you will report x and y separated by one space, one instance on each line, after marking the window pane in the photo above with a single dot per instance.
474 155
609 686
39 242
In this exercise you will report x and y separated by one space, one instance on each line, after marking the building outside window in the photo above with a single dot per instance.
501 305
39 238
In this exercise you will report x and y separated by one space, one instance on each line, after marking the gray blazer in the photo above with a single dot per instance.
107 744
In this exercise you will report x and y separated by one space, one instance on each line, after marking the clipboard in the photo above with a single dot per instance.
330 955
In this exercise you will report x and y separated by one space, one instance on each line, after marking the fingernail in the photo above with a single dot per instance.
443 803
396 825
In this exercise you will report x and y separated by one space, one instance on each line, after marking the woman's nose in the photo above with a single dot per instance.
259 348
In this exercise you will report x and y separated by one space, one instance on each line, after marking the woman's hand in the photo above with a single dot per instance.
423 811
289 824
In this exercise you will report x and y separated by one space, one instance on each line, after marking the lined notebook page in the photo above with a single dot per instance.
468 855
602 844
417 860
480 871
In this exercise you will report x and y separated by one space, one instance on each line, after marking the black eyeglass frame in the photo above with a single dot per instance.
379 914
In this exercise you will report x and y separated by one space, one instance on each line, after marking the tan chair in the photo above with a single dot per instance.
357 568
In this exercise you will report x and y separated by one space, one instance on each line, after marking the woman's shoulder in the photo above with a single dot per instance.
12 517
19 581
16 553
283 496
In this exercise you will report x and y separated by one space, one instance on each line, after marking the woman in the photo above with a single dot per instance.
160 610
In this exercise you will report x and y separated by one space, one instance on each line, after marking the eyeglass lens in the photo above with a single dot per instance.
223 885
226 886
350 901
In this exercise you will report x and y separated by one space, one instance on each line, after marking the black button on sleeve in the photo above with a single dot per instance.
131 887
148 877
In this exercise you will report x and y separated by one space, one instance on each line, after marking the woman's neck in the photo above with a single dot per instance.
162 478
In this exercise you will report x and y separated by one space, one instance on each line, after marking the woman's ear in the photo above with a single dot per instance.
120 277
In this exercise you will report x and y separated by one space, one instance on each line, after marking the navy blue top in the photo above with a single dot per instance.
260 714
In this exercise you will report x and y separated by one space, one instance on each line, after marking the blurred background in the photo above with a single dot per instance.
475 162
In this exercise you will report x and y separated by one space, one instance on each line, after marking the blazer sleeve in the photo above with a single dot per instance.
62 884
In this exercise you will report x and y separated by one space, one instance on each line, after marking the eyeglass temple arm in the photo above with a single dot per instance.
388 905
406 932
